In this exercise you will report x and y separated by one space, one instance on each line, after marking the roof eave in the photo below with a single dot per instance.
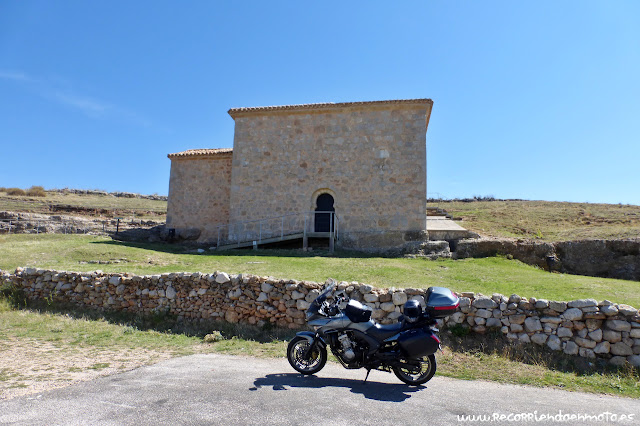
235 112
200 153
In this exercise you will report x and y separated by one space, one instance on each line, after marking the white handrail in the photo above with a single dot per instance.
258 230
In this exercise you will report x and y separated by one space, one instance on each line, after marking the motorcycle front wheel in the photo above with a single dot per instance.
427 370
313 363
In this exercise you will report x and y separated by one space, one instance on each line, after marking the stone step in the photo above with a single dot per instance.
437 211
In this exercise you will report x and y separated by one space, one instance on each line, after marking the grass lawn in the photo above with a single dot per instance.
547 220
489 275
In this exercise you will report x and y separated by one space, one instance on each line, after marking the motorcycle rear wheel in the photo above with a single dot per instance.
295 354
427 370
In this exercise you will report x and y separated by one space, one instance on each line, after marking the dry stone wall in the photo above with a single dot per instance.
35 223
585 327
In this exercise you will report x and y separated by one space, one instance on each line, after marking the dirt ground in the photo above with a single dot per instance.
29 366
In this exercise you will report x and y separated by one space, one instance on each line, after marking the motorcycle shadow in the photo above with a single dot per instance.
369 389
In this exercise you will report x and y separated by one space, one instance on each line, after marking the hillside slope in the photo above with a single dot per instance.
543 220
92 204
546 220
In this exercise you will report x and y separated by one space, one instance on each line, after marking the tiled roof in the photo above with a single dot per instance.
201 152
330 105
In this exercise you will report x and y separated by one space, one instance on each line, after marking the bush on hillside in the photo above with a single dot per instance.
3 189
14 295
36 191
15 191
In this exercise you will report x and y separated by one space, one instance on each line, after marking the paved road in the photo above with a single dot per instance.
218 389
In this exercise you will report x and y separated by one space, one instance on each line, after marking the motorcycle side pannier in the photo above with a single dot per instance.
357 312
418 342
441 302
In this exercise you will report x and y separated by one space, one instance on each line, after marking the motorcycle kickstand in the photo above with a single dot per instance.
367 376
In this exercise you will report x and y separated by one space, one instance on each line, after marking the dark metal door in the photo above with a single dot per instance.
324 219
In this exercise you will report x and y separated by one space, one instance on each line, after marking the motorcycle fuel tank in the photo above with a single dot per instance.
338 322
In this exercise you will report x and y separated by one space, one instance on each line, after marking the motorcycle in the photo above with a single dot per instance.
407 347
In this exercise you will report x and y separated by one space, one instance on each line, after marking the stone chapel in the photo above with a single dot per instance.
353 172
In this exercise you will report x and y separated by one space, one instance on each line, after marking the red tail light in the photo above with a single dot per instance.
442 308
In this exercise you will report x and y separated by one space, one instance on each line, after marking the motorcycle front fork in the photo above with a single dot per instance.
311 347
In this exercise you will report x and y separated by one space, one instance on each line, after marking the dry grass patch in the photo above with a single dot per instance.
40 351
547 220
30 365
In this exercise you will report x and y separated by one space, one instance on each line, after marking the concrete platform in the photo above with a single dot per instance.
442 228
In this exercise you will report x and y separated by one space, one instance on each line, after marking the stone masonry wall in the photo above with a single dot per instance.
585 327
199 195
371 159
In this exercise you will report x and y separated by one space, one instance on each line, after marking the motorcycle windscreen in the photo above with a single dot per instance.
418 342
313 309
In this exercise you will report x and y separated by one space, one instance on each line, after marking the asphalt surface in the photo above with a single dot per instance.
218 389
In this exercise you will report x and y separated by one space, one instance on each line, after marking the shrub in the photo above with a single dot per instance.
15 191
3 189
214 336
484 198
459 330
14 295
36 191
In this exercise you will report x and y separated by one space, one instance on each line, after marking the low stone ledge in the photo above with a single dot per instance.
598 258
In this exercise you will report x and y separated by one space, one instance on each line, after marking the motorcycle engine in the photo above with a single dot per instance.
347 347
350 348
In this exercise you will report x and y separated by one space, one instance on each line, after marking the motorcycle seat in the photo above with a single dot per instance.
381 332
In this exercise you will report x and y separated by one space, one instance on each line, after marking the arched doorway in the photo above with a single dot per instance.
324 213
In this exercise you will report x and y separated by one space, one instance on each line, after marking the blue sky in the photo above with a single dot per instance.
533 100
